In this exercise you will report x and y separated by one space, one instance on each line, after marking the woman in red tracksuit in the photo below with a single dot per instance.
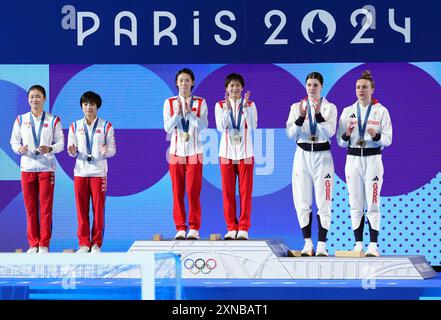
185 116
235 118
91 141
37 136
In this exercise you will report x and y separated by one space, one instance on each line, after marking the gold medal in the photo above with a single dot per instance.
313 138
185 137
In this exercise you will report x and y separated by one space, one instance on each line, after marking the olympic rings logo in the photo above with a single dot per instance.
200 265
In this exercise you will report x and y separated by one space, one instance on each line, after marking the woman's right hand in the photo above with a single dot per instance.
351 127
177 108
227 100
23 149
303 110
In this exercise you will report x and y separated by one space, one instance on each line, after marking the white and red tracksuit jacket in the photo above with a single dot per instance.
228 149
173 126
104 134
51 135
379 119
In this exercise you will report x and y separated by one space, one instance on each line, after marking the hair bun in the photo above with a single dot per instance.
366 74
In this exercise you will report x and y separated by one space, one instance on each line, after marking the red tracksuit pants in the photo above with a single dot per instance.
38 195
186 173
243 169
87 188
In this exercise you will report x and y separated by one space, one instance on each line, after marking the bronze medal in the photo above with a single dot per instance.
361 143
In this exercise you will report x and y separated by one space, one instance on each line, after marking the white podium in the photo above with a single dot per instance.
267 259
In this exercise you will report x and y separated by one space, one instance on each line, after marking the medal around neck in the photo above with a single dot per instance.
237 138
89 142
37 137
362 127
312 123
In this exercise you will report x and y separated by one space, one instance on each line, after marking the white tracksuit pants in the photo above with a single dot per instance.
364 177
313 170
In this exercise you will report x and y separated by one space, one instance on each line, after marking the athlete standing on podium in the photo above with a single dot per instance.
235 118
91 141
312 123
185 116
365 128
37 136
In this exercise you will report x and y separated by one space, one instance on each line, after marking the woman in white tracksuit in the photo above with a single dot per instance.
312 123
365 128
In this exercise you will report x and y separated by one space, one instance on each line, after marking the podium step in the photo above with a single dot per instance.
268 259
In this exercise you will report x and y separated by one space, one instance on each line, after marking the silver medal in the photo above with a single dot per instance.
237 138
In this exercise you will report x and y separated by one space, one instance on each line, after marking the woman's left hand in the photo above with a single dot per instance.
372 132
317 106
187 105
44 149
247 98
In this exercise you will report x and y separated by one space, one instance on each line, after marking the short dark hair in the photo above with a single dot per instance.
234 76
366 75
315 75
187 71
91 97
39 88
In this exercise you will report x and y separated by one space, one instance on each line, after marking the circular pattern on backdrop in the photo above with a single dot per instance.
133 99
411 96
273 150
272 88
15 100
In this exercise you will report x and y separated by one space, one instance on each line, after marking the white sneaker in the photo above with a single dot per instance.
32 250
358 246
83 249
308 249
193 235
372 250
180 235
95 249
43 250
321 249
231 235
242 235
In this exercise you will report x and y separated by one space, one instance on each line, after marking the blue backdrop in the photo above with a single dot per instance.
134 80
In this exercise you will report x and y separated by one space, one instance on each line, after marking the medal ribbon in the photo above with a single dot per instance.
236 125
37 138
312 122
186 122
89 142
362 129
